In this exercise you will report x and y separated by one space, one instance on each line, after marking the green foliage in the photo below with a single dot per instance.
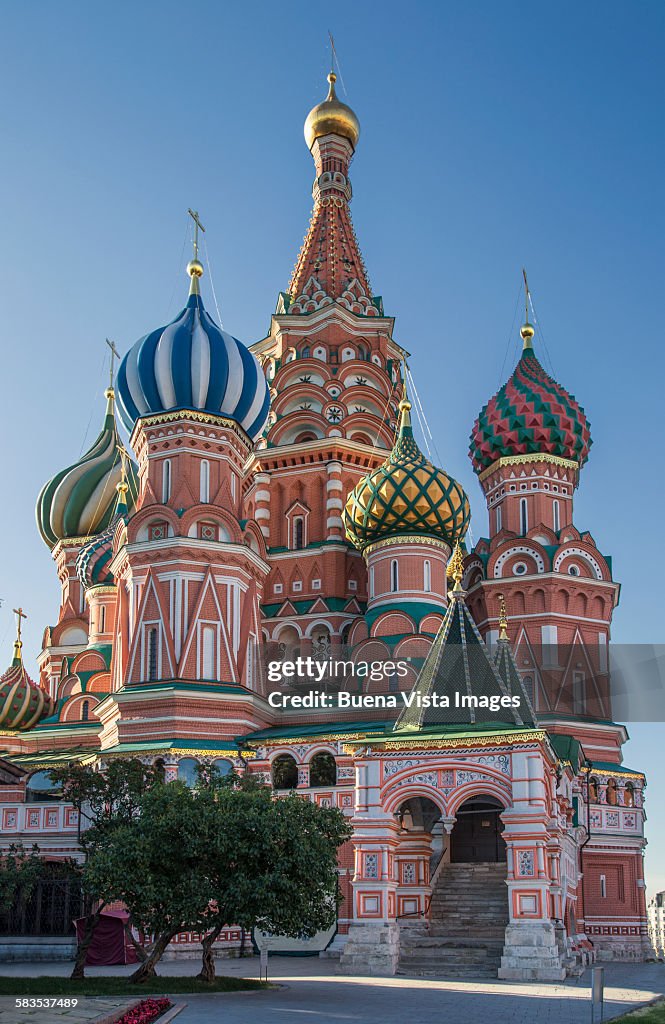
20 871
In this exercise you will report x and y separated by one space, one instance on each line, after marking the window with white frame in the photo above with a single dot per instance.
556 516
151 639
204 481
524 516
208 638
427 576
371 581
394 576
166 480
603 887
498 516
102 618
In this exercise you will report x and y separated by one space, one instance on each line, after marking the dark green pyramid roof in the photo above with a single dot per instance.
509 672
459 666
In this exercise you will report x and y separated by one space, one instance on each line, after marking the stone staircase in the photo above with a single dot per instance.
468 918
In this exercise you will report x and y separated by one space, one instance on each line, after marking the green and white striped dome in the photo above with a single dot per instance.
80 501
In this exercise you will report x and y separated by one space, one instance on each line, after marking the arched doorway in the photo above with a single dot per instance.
477 833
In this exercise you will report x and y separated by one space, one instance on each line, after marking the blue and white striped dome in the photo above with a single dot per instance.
192 364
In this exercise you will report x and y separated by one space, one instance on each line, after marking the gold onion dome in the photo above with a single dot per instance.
332 117
406 495
22 702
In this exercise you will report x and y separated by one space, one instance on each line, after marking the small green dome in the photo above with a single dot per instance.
80 500
406 495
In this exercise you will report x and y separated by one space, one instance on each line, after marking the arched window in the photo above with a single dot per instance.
204 480
612 793
323 770
427 576
42 789
159 769
498 516
221 766
593 790
394 576
629 795
102 618
85 711
524 516
166 480
284 772
306 352
151 654
556 518
298 533
188 771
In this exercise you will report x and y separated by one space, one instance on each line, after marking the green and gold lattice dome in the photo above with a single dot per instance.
407 495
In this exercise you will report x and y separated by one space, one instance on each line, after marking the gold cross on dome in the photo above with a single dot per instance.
114 355
20 614
197 226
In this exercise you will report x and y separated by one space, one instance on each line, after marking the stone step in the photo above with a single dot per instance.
468 932
448 971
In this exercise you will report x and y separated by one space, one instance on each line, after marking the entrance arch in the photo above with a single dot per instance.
477 836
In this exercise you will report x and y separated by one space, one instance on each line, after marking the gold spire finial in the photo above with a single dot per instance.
526 330
195 267
404 405
122 486
455 568
503 618
18 643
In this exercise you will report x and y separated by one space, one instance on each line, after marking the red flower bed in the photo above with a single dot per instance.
146 1011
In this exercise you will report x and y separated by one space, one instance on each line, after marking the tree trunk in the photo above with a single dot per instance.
141 951
147 968
91 921
207 973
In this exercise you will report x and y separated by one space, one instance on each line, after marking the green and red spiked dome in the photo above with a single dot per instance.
531 414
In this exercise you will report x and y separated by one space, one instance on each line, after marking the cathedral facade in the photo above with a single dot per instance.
277 505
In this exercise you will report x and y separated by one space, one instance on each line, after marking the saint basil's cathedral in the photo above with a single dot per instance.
278 504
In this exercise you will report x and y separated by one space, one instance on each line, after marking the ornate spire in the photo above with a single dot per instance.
455 568
526 330
330 267
503 618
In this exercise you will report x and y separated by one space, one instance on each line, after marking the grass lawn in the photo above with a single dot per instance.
121 986
649 1015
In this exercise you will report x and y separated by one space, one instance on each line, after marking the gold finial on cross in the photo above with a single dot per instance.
18 643
198 226
114 355
526 331
503 618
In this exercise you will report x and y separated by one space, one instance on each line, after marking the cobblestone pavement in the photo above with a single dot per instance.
85 1012
311 991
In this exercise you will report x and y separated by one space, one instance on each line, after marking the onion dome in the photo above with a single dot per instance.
80 500
332 117
406 495
22 702
94 559
531 414
193 364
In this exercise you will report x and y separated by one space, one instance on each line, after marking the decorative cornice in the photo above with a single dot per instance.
191 414
515 460
407 538
617 774
415 743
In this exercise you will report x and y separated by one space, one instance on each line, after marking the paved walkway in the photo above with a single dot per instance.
311 991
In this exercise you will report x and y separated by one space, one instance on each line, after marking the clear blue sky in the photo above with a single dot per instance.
493 135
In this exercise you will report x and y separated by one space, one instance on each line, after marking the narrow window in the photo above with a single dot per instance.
208 652
85 711
394 576
298 533
498 519
151 660
166 480
371 581
250 662
578 693
629 795
524 516
205 480
102 618
556 519
603 886
427 576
